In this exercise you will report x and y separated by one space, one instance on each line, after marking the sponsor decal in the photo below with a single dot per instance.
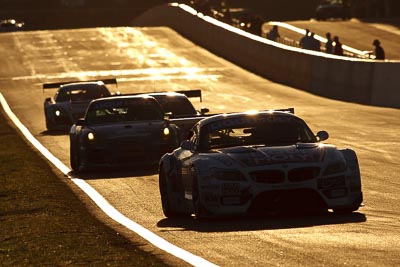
247 121
265 156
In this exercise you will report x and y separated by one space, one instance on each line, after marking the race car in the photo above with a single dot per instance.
11 25
121 131
182 112
257 163
328 9
71 100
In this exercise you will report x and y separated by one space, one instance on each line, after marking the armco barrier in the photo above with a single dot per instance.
348 79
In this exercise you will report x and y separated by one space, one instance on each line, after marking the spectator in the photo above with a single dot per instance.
305 40
314 43
328 45
379 52
337 46
273 34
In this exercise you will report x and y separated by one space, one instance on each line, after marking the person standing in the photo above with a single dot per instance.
305 40
329 44
273 34
337 47
314 43
379 52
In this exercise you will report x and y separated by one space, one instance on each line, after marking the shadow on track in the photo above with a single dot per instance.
55 132
115 172
266 222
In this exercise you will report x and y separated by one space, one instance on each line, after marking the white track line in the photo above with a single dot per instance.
101 202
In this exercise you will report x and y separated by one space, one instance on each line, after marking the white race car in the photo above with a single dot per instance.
257 162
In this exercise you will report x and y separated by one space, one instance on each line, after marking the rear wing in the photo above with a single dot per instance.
192 93
187 93
287 110
58 84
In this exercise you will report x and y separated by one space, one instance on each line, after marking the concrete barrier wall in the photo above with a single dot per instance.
355 80
385 89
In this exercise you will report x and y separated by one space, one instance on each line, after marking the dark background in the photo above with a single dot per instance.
55 14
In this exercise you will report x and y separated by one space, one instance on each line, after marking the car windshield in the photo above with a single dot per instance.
123 110
265 130
75 94
177 105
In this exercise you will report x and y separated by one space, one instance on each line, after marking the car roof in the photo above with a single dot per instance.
244 114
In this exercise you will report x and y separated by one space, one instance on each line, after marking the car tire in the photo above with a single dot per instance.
198 208
169 199
49 126
74 158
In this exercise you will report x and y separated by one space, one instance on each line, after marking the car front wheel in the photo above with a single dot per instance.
74 158
199 210
169 199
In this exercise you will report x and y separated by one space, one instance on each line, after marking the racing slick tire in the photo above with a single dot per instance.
198 208
74 159
169 199
353 166
50 126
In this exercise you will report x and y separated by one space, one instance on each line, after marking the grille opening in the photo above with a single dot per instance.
294 200
303 174
268 176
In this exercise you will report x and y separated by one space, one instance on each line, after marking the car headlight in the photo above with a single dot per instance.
336 167
91 137
227 174
166 133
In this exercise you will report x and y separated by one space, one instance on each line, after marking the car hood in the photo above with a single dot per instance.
252 156
76 109
129 132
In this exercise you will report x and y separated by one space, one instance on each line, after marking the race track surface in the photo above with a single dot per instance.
157 59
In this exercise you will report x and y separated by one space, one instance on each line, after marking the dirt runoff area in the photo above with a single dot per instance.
43 222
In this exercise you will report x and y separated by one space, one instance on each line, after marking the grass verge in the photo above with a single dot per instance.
43 222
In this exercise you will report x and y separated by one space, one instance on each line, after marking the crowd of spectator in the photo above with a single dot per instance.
252 23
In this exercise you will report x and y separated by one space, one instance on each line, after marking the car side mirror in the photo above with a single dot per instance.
167 115
204 110
322 136
187 145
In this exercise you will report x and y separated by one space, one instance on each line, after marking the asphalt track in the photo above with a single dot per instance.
157 59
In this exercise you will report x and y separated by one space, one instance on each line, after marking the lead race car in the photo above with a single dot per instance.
71 100
121 131
257 162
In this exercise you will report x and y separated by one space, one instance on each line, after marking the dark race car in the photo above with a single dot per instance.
121 131
259 162
71 100
11 25
180 109
332 9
